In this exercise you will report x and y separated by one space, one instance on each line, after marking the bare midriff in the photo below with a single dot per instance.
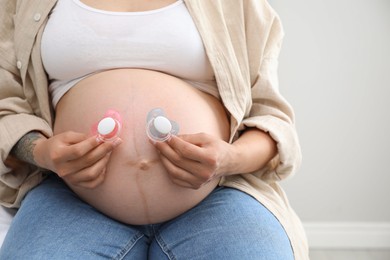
137 188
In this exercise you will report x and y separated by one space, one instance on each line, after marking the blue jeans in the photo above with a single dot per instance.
53 223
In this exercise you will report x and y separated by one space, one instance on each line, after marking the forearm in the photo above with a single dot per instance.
253 150
24 148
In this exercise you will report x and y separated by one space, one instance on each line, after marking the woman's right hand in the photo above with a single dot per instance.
78 159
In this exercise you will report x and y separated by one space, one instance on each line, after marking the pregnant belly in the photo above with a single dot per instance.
137 189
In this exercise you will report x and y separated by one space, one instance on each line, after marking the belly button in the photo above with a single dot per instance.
144 165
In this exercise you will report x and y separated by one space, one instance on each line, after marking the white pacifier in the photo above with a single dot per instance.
109 126
158 127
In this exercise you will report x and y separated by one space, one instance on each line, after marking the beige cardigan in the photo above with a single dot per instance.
242 39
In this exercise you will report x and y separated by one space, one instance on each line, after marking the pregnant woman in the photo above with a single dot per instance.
211 192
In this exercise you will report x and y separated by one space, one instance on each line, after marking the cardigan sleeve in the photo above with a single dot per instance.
17 116
270 112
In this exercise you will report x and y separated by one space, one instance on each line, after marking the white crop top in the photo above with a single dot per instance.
79 40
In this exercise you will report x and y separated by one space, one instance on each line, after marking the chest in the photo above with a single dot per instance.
79 39
128 6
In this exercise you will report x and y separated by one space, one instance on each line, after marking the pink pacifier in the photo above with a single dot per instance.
109 127
158 127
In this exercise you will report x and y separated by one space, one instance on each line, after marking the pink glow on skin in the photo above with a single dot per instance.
113 133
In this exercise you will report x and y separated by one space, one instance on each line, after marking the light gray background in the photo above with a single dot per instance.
335 71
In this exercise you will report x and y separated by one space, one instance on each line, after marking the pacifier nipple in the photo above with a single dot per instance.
162 125
106 126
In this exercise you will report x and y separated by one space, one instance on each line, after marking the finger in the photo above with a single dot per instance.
197 139
93 183
71 137
78 147
179 175
94 155
182 183
86 161
90 174
186 149
167 152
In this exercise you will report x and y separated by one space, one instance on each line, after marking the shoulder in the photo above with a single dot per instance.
7 9
27 8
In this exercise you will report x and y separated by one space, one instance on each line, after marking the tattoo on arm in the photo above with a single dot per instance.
23 149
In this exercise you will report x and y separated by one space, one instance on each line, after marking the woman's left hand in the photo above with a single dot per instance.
196 159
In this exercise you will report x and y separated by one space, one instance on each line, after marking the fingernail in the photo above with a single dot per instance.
152 141
117 142
98 140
